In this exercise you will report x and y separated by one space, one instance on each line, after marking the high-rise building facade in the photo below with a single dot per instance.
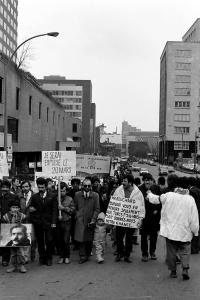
179 118
8 26
78 103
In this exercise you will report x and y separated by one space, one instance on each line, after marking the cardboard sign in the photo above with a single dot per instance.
16 235
92 164
59 163
3 164
123 212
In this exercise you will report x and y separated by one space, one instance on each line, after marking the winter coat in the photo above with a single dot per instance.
16 218
24 207
100 230
179 216
46 210
152 218
69 209
87 210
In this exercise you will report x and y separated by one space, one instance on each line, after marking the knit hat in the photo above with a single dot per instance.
101 216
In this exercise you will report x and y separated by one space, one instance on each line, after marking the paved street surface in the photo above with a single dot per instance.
109 281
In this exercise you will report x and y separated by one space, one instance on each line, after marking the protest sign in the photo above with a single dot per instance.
16 235
59 163
3 164
92 164
123 212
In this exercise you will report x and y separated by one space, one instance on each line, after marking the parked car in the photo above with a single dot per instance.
171 169
163 170
143 171
152 163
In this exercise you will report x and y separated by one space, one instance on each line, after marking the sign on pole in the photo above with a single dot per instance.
92 164
123 212
59 163
3 164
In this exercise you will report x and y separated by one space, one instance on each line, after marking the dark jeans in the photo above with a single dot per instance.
195 244
121 232
144 242
183 249
64 234
85 249
44 239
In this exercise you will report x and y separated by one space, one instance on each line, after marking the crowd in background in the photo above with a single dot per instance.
76 219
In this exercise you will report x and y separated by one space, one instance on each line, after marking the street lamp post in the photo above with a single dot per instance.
54 34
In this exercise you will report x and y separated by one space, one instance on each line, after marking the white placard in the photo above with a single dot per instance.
92 164
59 163
123 212
3 164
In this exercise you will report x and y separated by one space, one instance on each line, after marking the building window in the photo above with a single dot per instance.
183 66
1 89
182 117
181 145
182 104
47 114
58 120
183 78
182 130
40 110
53 117
78 93
13 129
17 98
74 127
30 105
182 91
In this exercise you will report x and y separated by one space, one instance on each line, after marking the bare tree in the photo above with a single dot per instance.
24 56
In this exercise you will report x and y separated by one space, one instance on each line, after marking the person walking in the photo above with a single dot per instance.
86 212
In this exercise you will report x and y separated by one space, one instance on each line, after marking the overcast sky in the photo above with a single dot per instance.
115 43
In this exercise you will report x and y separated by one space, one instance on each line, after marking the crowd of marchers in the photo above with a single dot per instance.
75 220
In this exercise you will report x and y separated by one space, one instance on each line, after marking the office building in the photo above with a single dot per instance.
8 26
76 97
179 117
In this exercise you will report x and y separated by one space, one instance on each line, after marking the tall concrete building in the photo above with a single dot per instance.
179 119
76 96
8 26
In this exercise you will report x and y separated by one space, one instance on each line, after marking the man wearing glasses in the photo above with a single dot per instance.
87 210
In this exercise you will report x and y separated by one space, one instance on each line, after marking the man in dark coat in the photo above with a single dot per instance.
43 215
87 210
150 224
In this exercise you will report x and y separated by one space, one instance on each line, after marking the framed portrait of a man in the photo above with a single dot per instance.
16 235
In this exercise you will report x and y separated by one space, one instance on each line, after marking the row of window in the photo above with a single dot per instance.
9 18
74 114
7 4
182 130
182 117
68 93
182 104
73 100
6 39
183 53
181 145
183 78
182 91
183 66
8 30
73 107
6 51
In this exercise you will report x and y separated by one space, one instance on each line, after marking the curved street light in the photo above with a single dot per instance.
54 34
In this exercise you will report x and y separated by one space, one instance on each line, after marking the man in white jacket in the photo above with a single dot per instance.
179 223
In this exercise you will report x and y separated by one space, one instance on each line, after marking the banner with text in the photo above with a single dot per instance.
92 164
59 163
3 164
123 212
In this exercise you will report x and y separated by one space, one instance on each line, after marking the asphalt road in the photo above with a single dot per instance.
108 281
